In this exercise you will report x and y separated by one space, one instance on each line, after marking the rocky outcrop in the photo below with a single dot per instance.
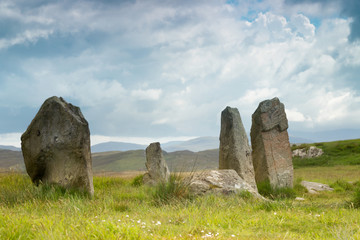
56 146
271 153
158 170
220 181
312 152
314 187
235 152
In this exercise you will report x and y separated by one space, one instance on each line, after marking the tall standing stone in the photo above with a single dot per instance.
272 156
235 152
158 170
56 146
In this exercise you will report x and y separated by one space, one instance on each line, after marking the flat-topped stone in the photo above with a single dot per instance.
272 156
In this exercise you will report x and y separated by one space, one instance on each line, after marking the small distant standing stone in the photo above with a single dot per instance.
56 146
272 156
158 170
235 152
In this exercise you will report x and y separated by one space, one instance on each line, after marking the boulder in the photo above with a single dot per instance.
235 152
272 156
220 181
301 152
314 187
312 152
56 146
158 170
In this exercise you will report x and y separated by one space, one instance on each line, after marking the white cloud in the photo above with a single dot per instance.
257 95
333 106
293 115
186 60
29 36
302 25
10 139
148 94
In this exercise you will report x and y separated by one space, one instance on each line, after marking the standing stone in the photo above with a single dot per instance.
235 152
56 146
158 171
272 156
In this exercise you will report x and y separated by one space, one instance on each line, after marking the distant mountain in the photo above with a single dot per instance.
116 146
11 160
194 145
293 140
12 148
326 136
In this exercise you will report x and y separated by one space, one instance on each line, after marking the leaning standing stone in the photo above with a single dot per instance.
235 152
56 146
158 170
272 156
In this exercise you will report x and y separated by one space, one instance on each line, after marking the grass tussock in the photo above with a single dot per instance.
356 198
175 190
266 190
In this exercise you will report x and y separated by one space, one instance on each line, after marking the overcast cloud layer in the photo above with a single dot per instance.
161 69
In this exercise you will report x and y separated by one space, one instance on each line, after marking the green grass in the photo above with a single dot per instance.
127 209
122 210
266 190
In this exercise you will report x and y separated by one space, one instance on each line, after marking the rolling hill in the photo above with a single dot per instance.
336 153
194 145
135 160
115 146
11 160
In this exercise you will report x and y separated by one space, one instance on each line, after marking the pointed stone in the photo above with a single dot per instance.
158 170
235 152
272 156
56 146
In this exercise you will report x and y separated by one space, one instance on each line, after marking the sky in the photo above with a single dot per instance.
158 70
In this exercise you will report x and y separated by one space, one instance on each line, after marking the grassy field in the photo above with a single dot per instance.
123 209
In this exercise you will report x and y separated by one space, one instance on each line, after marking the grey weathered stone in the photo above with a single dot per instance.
272 156
312 152
56 146
220 181
158 170
314 187
235 152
